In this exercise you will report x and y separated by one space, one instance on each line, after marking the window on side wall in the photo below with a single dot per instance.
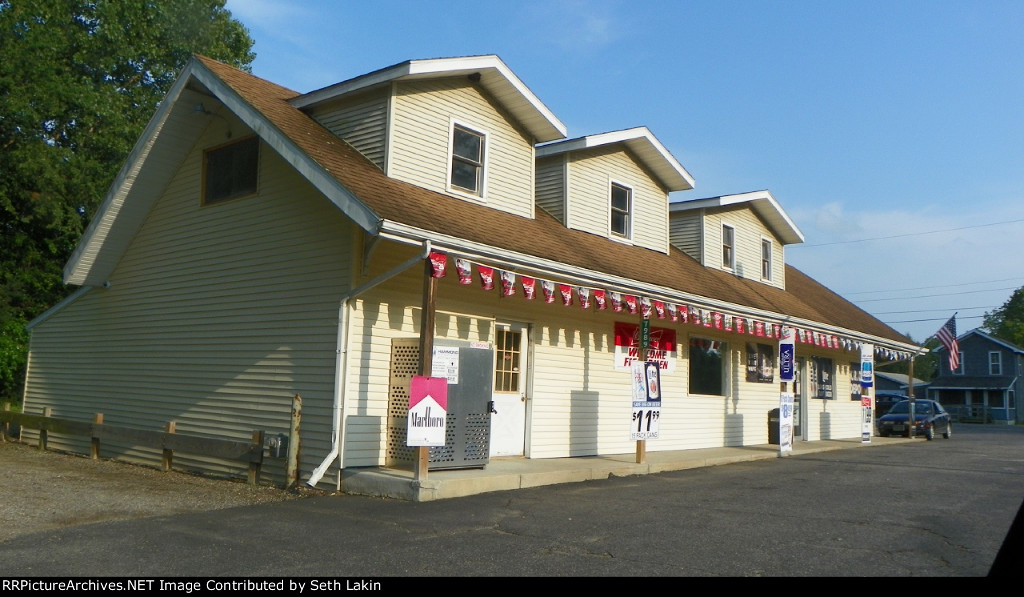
995 363
708 366
467 160
621 206
231 171
728 247
766 259
959 366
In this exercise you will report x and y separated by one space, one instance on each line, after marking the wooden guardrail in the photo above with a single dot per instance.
167 440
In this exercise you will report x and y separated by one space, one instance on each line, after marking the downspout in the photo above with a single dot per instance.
341 363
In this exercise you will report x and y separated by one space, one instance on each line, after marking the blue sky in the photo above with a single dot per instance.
891 132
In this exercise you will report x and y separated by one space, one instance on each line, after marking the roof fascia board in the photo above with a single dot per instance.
995 340
119 189
440 67
74 296
327 184
403 233
628 137
791 233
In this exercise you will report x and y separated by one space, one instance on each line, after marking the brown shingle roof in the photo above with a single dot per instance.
542 237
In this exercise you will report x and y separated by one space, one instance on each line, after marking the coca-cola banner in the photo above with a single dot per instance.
438 264
529 287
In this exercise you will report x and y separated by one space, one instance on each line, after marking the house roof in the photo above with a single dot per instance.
401 211
642 143
494 75
960 382
762 202
977 332
899 378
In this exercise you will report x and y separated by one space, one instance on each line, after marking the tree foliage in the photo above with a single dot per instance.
1007 322
79 80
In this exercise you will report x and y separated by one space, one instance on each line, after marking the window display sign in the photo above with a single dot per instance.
662 347
428 411
760 362
646 378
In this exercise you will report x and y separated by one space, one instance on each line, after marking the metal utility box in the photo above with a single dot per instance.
469 367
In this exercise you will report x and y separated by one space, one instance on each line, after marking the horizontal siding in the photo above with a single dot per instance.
750 229
423 112
361 121
216 318
590 175
550 194
685 233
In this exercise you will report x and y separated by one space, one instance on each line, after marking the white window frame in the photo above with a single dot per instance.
959 370
612 233
995 366
480 192
767 264
731 264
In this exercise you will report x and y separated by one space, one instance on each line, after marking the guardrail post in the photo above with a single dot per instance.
94 450
168 456
5 429
47 412
254 467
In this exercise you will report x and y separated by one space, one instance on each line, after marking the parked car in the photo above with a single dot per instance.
885 400
929 418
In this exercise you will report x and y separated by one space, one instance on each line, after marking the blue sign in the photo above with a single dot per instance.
787 359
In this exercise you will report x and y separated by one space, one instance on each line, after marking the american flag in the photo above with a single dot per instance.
947 335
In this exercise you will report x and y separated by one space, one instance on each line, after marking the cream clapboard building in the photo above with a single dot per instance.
261 244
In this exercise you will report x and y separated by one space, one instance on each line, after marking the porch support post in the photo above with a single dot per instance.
426 353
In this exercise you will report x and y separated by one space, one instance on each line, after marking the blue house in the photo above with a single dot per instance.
984 387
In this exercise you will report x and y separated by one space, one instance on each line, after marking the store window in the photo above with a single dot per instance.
708 366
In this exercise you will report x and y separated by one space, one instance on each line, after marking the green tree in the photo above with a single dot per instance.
79 80
1007 322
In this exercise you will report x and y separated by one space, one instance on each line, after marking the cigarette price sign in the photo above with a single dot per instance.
646 400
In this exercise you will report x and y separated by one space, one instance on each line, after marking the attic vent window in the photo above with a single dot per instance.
467 160
728 247
230 171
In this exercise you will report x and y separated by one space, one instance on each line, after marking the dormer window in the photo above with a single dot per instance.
231 170
728 247
766 259
621 204
467 160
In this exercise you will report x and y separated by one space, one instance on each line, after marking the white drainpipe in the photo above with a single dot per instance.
341 364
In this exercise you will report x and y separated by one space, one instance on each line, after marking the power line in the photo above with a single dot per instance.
936 286
904 298
927 310
932 319
862 240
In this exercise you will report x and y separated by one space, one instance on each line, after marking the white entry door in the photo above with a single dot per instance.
508 418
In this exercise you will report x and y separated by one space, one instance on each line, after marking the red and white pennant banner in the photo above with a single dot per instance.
619 302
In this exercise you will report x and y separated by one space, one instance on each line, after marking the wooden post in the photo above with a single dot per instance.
5 429
292 467
94 450
426 354
47 412
641 445
254 467
168 457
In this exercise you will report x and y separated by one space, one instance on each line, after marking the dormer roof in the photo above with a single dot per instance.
642 143
763 204
494 76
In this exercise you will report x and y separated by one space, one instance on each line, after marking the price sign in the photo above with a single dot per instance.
646 400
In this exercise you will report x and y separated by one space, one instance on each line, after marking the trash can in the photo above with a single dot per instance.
773 426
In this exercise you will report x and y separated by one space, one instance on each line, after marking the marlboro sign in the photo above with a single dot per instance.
428 411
